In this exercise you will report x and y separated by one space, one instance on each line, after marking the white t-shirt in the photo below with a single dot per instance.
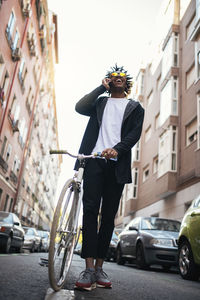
110 130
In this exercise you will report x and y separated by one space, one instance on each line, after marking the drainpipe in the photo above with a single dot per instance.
15 71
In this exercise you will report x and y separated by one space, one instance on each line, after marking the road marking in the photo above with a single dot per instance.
61 295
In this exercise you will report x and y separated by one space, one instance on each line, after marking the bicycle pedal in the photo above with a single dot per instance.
43 262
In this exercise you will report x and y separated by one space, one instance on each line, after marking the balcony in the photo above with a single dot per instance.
3 164
166 185
26 10
14 123
13 177
31 45
16 54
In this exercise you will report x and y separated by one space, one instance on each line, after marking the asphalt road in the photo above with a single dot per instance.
22 278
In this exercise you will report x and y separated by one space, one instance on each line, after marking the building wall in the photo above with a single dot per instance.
165 189
31 132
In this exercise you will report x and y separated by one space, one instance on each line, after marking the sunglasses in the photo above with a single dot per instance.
118 74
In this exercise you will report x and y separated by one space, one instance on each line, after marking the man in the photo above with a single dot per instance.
114 127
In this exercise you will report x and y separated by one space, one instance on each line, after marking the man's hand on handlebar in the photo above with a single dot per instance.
109 153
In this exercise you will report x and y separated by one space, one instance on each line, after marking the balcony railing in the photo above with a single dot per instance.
13 177
3 164
16 54
14 123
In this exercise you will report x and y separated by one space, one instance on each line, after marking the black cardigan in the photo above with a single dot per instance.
93 106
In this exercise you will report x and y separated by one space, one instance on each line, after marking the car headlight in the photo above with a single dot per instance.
162 242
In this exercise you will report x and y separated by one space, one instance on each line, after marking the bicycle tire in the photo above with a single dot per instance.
63 235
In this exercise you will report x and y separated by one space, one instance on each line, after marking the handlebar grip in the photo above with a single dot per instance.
57 152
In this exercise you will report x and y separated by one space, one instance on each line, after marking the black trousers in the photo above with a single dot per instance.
99 188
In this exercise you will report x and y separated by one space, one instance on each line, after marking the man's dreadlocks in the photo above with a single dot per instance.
129 82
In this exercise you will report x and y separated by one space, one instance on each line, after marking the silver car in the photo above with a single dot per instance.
31 239
148 241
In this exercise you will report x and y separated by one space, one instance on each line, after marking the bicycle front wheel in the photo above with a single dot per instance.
63 235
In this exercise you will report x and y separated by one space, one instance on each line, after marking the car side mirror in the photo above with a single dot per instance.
133 228
16 223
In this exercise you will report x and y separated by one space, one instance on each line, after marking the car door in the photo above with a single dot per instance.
194 230
131 237
17 230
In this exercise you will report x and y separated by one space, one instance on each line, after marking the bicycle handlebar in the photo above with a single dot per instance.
80 156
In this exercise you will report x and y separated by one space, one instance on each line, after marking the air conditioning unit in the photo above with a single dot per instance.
16 54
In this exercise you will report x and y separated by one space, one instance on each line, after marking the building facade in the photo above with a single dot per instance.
28 121
166 161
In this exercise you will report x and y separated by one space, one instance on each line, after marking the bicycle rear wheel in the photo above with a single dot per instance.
63 235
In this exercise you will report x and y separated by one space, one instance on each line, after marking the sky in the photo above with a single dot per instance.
93 35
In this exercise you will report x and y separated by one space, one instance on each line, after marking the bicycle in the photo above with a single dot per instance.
64 231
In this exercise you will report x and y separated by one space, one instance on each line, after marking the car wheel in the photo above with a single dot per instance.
19 249
119 259
33 248
187 268
7 245
140 257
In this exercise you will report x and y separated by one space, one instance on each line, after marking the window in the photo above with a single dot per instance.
175 49
16 165
11 204
173 148
167 58
8 152
147 134
191 132
157 121
135 175
10 27
190 28
15 42
197 10
198 65
136 152
198 120
145 173
174 96
167 155
155 164
169 100
150 98
190 77
158 82
6 203
5 83
4 146
1 192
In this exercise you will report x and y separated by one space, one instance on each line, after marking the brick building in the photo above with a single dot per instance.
28 122
166 161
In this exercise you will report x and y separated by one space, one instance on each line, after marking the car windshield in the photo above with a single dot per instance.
29 231
43 234
6 217
160 224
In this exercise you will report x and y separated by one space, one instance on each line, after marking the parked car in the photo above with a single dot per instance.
31 239
189 242
112 250
11 232
148 241
44 240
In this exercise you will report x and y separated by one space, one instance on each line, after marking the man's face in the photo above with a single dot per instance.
118 80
